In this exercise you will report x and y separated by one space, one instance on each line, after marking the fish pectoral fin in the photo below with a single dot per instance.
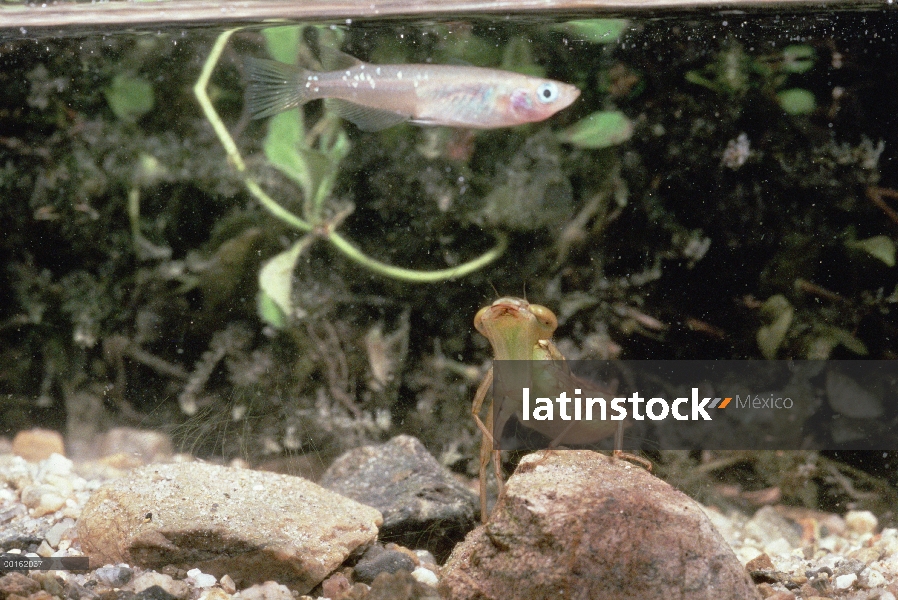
431 123
273 87
334 60
365 117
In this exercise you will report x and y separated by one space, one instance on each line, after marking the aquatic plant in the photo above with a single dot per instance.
311 159
735 72
601 129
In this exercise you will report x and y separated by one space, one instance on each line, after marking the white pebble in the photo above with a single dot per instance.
777 547
747 553
425 576
833 543
269 590
200 579
227 584
861 521
178 589
873 578
44 549
843 582
57 464
830 561
214 594
55 533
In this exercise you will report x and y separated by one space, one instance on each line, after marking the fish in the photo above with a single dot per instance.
376 97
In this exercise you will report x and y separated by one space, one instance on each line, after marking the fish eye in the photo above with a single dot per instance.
547 92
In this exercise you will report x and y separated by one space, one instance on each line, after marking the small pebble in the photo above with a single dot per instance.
37 444
426 576
17 583
49 583
44 549
42 499
843 582
200 579
55 533
873 578
335 586
760 563
266 591
113 576
56 464
154 592
378 561
861 521
227 584
178 589
215 594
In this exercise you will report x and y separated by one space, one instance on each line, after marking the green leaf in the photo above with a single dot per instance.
269 311
599 130
879 246
824 338
798 58
778 314
286 136
129 97
314 171
518 58
275 299
797 101
283 42
598 31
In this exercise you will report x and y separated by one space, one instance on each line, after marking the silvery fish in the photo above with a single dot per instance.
375 97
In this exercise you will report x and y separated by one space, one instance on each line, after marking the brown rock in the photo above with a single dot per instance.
251 525
37 444
577 524
761 562
17 584
335 586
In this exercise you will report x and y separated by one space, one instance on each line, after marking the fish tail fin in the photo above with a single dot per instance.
274 87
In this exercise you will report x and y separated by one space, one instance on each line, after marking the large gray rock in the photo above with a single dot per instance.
577 524
423 505
251 525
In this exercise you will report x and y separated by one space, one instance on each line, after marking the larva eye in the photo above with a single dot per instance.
547 92
546 317
478 319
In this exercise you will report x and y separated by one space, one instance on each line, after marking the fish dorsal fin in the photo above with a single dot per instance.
365 117
334 60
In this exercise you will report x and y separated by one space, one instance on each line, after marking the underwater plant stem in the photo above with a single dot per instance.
414 276
199 90
134 213
274 208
